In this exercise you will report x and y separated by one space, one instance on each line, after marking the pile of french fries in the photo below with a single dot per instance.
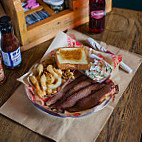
48 80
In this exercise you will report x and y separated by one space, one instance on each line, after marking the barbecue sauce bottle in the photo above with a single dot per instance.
9 44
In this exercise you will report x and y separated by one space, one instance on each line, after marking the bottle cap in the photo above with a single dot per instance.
54 2
5 24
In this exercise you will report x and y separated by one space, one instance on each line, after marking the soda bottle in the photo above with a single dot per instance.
9 44
96 16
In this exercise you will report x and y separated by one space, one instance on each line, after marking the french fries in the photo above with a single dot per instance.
40 69
43 82
41 93
48 80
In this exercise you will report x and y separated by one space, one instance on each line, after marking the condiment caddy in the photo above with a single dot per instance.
41 31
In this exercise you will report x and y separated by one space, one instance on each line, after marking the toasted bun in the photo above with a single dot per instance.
72 58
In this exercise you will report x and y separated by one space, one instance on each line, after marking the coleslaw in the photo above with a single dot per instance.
99 70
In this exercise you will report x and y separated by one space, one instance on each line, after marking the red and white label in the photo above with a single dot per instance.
97 14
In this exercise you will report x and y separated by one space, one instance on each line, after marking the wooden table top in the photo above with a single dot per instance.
123 30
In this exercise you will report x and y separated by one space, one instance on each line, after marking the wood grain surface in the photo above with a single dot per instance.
124 30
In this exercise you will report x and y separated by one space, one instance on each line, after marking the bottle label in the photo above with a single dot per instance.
12 59
97 14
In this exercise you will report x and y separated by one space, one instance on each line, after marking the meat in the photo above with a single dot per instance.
82 94
63 91
82 84
95 98
72 99
78 86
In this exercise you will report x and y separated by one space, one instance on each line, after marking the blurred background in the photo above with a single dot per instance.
128 4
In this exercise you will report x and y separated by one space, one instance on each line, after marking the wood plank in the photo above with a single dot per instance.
21 22
46 7
33 10
65 20
108 6
13 8
79 4
2 12
51 31
59 15
75 4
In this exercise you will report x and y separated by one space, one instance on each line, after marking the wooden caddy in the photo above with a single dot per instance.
32 35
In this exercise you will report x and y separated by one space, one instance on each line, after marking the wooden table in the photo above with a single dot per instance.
124 30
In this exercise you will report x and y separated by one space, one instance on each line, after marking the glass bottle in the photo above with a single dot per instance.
96 16
9 44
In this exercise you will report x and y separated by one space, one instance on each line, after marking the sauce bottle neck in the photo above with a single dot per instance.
8 35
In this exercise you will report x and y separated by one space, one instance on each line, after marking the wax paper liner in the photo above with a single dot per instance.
67 41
